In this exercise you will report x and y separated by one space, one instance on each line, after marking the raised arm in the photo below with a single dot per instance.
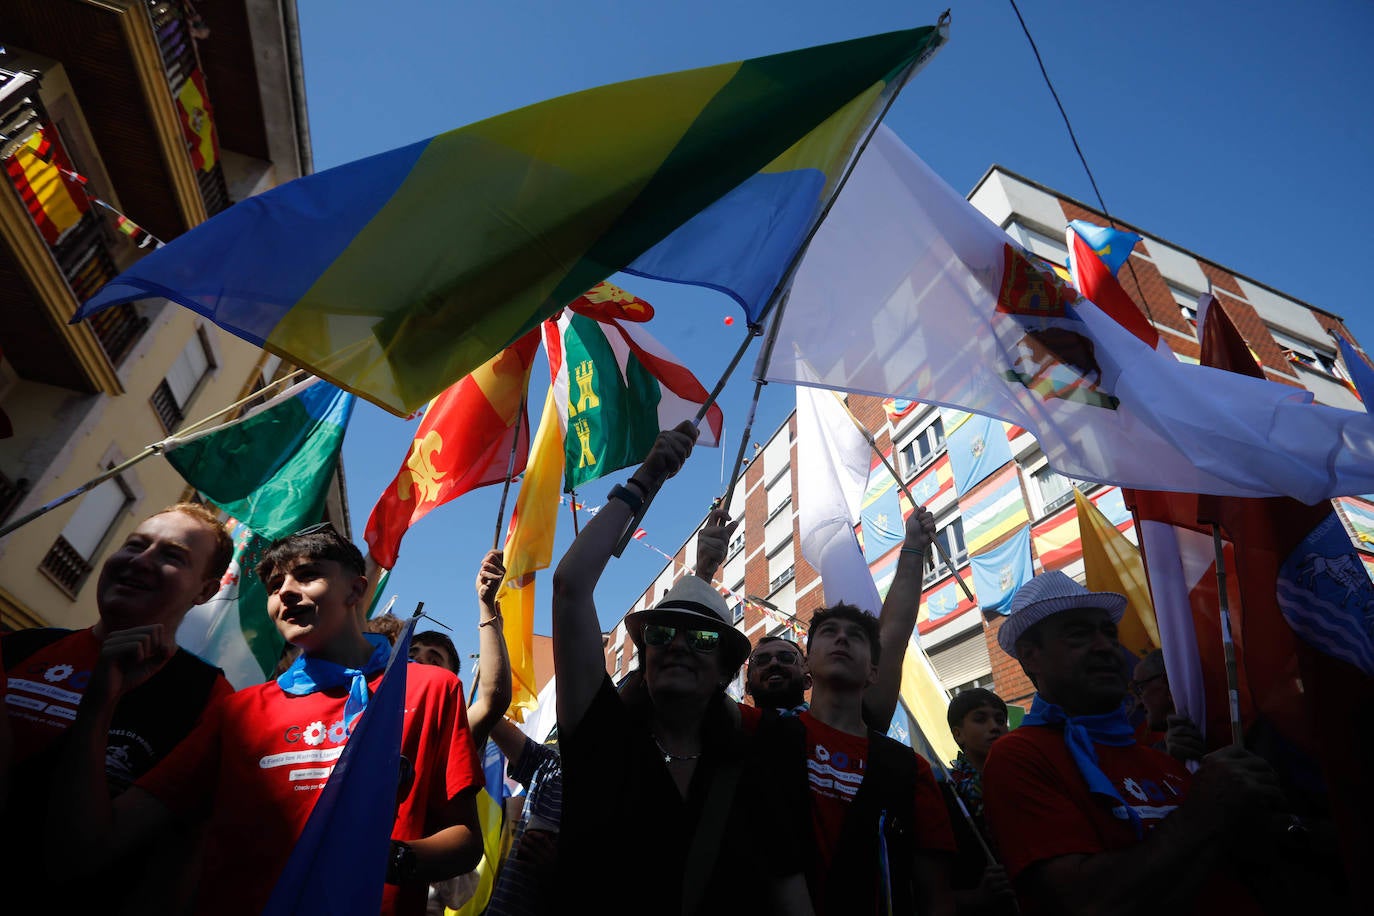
898 619
493 686
712 542
577 652
86 831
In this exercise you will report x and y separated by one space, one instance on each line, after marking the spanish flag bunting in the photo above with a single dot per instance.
198 122
38 170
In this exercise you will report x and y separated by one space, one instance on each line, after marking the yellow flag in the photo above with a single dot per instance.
1113 564
529 547
927 702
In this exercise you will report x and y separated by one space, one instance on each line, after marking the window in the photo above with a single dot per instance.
951 538
1306 355
1055 490
1051 249
619 658
72 556
921 449
173 395
737 612
736 544
782 578
1187 302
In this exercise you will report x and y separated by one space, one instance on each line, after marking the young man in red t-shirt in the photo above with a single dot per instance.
254 769
863 785
171 561
1085 818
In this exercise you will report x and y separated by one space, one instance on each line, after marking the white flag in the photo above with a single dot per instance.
908 291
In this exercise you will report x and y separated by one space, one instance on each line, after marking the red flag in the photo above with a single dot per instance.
464 442
1302 634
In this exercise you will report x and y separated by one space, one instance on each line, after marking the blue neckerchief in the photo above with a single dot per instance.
307 675
1080 734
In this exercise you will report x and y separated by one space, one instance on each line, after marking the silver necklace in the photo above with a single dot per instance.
669 756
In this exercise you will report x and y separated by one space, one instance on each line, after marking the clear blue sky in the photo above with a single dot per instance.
1241 132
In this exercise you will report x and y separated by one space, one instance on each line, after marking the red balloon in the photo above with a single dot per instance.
729 320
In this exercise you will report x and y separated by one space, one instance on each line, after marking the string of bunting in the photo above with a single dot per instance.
136 233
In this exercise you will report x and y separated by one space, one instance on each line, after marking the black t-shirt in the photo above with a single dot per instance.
625 821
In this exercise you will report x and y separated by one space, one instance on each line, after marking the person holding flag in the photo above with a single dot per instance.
669 754
1086 819
253 770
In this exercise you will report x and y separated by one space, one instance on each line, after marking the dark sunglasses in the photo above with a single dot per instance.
783 657
658 634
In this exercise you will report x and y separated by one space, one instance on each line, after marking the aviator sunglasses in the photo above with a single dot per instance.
657 634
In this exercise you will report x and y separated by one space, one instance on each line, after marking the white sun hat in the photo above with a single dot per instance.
692 602
1049 594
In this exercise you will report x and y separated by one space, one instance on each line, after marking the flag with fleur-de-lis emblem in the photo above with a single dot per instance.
464 441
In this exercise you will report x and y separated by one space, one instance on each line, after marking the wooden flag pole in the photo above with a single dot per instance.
155 449
1228 646
572 504
510 473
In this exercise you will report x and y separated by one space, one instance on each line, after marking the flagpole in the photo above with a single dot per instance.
873 444
149 451
778 300
572 504
1228 646
510 473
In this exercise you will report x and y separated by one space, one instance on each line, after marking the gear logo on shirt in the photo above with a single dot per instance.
822 753
58 673
1133 787
338 732
314 734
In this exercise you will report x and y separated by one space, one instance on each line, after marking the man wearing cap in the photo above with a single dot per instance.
654 780
1086 819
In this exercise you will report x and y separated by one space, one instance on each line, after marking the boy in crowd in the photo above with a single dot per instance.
977 718
253 769
880 834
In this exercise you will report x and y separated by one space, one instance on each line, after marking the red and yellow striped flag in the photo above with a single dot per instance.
35 170
464 442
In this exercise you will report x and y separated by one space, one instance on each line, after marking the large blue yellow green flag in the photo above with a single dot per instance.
396 275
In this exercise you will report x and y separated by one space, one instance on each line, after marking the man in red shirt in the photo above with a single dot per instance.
881 834
168 563
1086 819
254 768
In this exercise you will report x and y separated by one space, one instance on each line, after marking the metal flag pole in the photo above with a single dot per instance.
1228 646
572 504
510 473
778 300
155 449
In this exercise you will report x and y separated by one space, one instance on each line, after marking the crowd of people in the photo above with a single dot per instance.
136 774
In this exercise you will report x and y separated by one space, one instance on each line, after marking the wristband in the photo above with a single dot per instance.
913 550
496 618
643 490
629 498
402 864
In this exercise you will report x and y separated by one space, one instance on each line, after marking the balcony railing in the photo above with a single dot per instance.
784 577
65 566
176 45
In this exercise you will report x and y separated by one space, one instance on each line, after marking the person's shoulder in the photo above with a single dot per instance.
1029 742
432 677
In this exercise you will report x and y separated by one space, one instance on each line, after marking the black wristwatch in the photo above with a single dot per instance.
628 497
402 865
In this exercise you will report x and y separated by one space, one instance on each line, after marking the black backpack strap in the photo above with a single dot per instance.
886 799
19 645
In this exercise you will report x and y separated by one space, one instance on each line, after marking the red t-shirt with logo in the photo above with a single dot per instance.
257 765
1038 806
44 691
835 763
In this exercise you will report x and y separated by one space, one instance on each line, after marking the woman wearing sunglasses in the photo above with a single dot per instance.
656 779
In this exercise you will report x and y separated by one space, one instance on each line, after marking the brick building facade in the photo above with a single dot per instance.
986 509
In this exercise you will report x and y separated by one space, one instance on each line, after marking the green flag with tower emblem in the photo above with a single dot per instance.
618 387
